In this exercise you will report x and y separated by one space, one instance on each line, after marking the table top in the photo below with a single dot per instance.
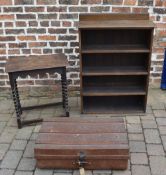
35 62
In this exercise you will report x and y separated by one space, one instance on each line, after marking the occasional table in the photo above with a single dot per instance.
34 65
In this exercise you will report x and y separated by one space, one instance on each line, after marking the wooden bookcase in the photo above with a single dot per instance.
115 56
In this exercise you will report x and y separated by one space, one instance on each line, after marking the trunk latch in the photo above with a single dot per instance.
81 162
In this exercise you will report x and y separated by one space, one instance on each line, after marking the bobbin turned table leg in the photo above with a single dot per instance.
65 92
16 100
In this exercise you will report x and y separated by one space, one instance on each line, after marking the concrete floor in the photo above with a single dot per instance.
146 134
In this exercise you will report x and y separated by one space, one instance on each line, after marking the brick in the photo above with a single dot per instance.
3 149
5 117
14 51
74 44
44 23
164 141
98 172
66 23
90 1
13 157
162 130
6 17
33 23
73 31
121 9
66 2
57 9
161 121
159 10
137 146
12 9
18 145
2 83
35 31
130 2
139 158
26 38
46 2
155 150
160 3
6 172
158 106
8 24
24 133
159 113
17 45
37 44
27 164
140 169
68 16
23 173
57 31
7 38
21 24
6 2
133 119
58 44
2 124
122 172
24 2
47 16
152 136
139 10
157 164
55 23
67 37
26 16
47 37
46 51
149 124
26 51
25 82
14 31
134 128
145 2
29 150
34 136
63 172
113 2
78 9
43 172
99 9
36 51
34 9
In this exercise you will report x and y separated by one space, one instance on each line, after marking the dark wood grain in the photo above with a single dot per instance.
113 91
115 51
32 62
82 128
114 70
103 141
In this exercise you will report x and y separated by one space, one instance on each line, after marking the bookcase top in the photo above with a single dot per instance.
115 20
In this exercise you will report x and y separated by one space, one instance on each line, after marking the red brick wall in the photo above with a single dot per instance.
50 26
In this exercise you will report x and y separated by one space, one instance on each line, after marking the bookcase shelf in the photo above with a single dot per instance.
115 49
114 70
114 62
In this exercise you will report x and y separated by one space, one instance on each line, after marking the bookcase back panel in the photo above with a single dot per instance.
115 37
113 103
115 60
114 81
